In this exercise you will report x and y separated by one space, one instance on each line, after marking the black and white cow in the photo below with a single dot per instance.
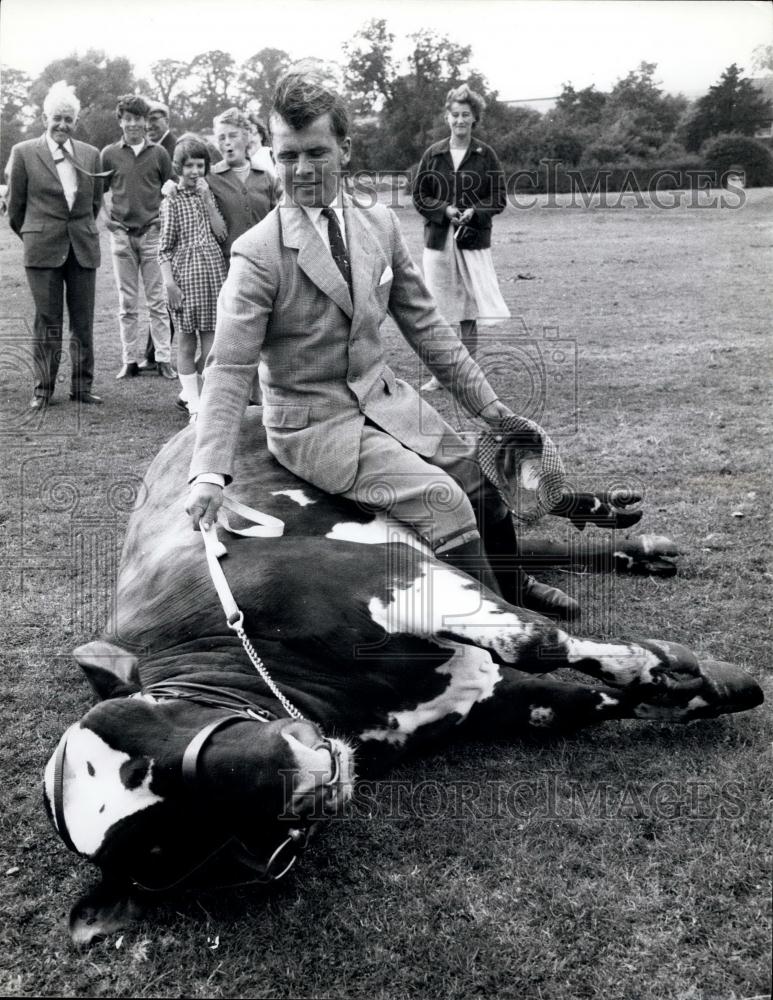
189 760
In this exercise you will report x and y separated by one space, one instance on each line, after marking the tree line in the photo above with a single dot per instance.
398 104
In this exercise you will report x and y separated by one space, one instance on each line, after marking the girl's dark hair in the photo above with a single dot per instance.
190 149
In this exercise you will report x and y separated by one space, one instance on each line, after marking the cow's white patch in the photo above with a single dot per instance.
623 557
297 496
443 600
620 663
696 702
473 675
94 797
379 531
541 715
605 701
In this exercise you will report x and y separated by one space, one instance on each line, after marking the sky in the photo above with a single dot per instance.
525 48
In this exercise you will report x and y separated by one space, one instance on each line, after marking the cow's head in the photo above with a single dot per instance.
150 788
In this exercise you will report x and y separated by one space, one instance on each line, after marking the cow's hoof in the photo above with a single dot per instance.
676 675
646 555
727 688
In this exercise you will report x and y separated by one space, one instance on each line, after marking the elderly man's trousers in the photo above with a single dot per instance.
50 287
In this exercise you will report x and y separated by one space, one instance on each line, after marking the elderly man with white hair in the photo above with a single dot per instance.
54 197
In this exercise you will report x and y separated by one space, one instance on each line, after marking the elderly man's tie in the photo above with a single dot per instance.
337 245
71 159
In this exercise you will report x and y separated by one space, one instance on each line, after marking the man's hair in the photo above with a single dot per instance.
303 96
191 148
466 95
132 104
61 95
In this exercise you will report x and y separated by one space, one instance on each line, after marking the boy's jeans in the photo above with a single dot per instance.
134 256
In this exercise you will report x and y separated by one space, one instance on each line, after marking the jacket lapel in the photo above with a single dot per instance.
45 155
362 258
314 258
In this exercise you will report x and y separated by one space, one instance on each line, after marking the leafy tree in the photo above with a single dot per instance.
214 77
98 81
370 71
168 77
639 114
732 105
15 113
258 78
729 151
579 108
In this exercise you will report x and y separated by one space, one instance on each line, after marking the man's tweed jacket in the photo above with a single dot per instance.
38 211
323 366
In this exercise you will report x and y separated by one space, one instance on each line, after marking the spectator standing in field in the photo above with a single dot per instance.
192 263
261 156
54 197
139 169
245 194
160 134
459 187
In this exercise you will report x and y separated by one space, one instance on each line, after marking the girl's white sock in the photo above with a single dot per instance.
190 390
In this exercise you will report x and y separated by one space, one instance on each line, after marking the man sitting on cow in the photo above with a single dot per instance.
307 292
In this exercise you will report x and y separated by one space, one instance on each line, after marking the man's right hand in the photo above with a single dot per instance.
204 501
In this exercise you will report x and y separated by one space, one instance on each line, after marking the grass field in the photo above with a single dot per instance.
632 862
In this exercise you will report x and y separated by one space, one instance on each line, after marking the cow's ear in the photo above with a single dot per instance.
106 908
111 671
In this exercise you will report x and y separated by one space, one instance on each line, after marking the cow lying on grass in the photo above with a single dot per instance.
189 760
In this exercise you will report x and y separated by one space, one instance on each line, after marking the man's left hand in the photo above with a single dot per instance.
494 413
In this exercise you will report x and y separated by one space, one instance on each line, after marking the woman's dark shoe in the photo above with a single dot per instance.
130 370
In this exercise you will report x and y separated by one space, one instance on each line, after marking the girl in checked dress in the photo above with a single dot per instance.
192 263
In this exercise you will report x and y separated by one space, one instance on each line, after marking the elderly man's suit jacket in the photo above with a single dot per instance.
38 210
323 367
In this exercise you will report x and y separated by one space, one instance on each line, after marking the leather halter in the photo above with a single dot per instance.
240 709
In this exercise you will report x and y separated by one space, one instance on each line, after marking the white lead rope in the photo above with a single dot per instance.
264 526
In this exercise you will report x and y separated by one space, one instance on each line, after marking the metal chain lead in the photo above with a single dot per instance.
256 661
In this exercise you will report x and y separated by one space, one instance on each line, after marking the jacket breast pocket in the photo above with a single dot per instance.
32 227
286 416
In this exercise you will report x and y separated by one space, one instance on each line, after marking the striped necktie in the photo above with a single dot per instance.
71 159
337 245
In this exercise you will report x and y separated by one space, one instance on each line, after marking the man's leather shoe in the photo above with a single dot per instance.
85 397
38 403
165 370
147 365
549 601
129 371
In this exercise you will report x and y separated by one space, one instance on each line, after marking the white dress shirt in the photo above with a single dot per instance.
67 172
320 223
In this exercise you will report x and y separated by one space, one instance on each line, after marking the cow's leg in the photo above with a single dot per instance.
642 555
664 674
521 704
